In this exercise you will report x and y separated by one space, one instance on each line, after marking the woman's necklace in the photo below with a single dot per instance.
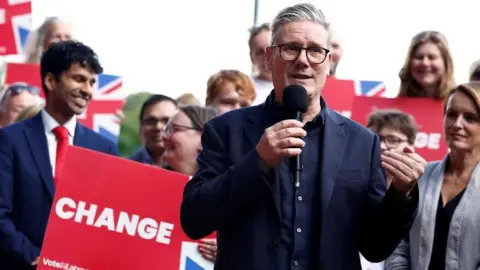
456 178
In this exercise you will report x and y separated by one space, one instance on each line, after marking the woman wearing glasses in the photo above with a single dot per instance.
182 139
428 67
446 231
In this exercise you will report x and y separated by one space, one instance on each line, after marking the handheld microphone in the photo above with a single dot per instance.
295 103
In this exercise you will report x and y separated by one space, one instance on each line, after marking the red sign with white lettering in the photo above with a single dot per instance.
428 115
112 213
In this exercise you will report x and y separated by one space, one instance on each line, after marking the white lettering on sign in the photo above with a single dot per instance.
147 228
3 20
427 140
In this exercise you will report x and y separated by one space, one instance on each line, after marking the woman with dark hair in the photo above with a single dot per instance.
182 139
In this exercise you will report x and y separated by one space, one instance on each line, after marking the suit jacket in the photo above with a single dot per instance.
463 243
27 188
230 194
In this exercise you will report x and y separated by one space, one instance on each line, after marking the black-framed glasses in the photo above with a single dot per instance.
290 52
391 141
172 128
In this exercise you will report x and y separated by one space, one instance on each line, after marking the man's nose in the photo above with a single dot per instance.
383 145
87 89
302 58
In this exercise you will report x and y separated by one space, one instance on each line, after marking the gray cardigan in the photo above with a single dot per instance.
463 243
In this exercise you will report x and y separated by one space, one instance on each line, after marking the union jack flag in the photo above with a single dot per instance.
15 25
369 88
191 259
101 114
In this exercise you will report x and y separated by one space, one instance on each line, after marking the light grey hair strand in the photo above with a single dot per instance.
300 12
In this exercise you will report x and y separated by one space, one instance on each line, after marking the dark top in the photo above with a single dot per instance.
300 206
442 226
141 155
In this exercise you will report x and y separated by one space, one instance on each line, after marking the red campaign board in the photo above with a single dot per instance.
112 213
428 115
15 25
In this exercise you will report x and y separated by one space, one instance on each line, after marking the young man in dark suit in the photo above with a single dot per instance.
32 152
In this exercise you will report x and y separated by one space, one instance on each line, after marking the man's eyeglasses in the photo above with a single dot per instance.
290 52
152 121
391 141
172 128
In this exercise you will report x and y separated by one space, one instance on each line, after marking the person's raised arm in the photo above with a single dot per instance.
388 217
219 193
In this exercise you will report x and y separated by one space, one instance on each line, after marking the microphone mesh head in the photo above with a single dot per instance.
295 98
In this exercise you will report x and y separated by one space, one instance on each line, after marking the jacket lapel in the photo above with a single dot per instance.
333 148
430 188
37 141
79 138
257 121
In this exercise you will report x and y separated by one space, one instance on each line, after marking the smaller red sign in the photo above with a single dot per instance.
26 73
427 113
339 95
112 213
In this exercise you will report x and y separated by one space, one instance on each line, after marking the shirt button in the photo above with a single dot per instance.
299 230
300 198
295 263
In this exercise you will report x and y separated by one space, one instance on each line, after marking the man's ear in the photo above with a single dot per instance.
268 58
50 82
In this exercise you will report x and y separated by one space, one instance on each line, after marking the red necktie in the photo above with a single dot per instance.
62 144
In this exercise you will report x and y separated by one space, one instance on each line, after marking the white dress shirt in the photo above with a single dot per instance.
366 265
49 123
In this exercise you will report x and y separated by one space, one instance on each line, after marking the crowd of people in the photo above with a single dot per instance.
435 229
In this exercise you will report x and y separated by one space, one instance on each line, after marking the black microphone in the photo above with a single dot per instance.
295 103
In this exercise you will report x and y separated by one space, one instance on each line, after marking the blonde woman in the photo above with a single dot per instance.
428 67
52 30
446 231
29 112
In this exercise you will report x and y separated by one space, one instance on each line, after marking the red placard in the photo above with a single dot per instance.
26 73
112 213
427 113
15 25
339 94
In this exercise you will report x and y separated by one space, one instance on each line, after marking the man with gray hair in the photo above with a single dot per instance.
243 188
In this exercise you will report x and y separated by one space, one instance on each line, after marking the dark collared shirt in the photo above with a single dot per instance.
141 155
300 207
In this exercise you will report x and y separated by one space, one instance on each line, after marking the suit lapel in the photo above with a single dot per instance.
79 138
37 141
257 122
333 148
